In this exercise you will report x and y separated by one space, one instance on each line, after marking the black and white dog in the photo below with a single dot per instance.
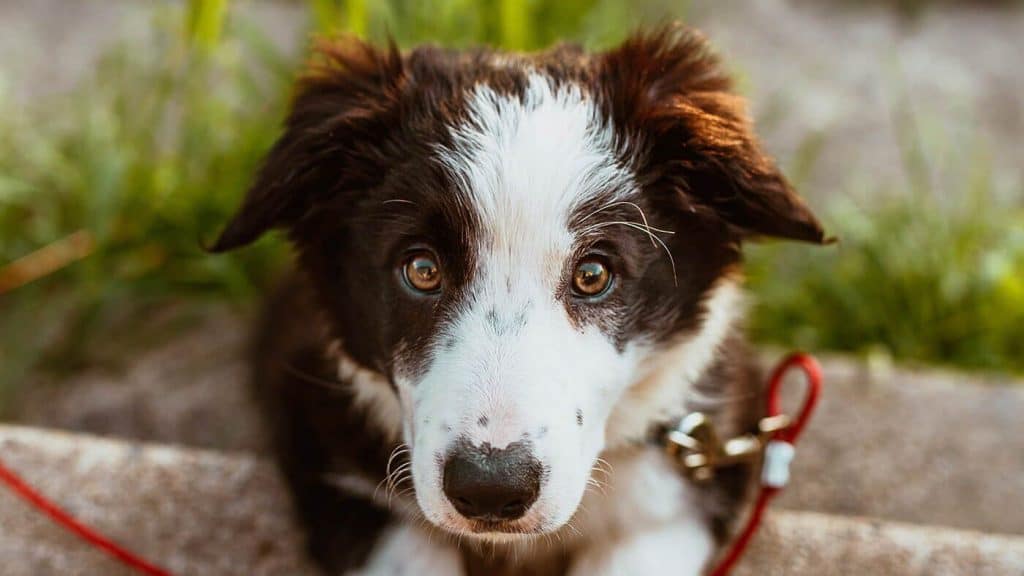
511 269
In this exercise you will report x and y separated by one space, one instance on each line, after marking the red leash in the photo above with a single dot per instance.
775 474
37 500
779 452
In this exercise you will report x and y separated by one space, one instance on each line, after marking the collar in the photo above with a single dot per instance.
694 444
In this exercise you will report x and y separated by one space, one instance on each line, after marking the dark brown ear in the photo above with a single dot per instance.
672 94
338 118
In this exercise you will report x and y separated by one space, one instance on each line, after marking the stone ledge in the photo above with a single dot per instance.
964 449
202 512
917 446
192 511
813 544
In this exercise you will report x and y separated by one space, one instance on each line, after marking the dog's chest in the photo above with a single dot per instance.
637 491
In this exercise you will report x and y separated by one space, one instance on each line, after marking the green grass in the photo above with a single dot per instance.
152 151
912 278
930 269
513 24
148 155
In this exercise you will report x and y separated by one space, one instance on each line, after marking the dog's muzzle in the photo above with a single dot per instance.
492 485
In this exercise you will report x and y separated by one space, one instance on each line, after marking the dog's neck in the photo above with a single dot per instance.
678 378
667 386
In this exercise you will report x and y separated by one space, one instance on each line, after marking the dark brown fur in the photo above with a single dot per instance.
360 134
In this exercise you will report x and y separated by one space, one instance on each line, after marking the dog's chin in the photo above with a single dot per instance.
494 531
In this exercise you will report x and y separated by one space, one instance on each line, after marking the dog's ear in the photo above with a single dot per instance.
670 92
339 116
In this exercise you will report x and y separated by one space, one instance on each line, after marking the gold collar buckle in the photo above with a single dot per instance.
695 445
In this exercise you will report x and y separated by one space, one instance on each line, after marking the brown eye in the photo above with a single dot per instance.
591 277
422 272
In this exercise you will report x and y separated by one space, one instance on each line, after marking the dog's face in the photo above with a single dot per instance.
515 243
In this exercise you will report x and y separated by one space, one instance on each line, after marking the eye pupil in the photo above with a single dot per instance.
422 272
591 277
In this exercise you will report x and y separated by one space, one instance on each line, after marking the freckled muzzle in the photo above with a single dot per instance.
492 485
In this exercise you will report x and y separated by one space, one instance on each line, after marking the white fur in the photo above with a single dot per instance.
643 520
524 383
372 392
404 550
661 390
524 165
681 548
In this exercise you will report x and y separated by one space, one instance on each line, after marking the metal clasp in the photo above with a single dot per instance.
696 446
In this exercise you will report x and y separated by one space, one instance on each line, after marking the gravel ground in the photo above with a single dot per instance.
845 76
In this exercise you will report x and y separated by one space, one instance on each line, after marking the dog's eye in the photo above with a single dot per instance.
592 277
422 272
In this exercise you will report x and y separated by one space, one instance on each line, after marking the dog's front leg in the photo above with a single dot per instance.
405 550
682 548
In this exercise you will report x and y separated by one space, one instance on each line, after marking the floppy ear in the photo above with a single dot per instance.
338 117
671 93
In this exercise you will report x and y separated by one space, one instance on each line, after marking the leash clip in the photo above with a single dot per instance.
695 445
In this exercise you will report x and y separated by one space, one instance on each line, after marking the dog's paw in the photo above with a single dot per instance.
409 551
681 548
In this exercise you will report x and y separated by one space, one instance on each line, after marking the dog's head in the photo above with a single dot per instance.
518 245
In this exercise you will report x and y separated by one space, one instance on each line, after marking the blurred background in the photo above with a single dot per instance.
129 129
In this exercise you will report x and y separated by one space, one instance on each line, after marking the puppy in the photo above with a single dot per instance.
511 269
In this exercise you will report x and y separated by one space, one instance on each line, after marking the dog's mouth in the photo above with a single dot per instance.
494 529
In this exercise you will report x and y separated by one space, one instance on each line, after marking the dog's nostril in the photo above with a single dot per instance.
513 509
492 485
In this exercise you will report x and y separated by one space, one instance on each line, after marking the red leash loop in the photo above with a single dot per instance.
812 370
773 479
65 520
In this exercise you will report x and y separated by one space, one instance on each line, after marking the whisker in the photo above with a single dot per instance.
575 530
314 379
643 216
639 226
390 475
396 479
605 468
635 226
407 492
377 489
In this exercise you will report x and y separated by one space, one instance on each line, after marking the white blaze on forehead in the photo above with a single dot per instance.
524 163
518 368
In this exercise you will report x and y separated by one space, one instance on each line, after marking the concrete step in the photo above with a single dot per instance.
915 445
202 512
918 446
191 511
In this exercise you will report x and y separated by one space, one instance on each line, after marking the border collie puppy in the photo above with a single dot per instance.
511 269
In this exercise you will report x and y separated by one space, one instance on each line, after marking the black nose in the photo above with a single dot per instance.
487 484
